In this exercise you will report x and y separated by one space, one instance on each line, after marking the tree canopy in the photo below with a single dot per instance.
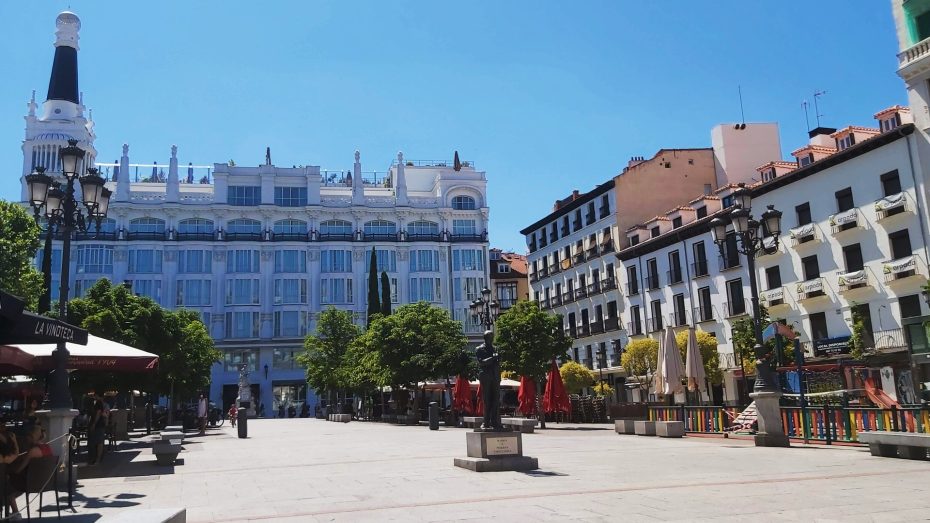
640 359
528 339
575 376
707 345
325 350
19 241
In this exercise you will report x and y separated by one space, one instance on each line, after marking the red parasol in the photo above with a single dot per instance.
479 404
527 396
555 399
461 396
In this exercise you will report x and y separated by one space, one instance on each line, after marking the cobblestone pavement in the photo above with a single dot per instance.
311 470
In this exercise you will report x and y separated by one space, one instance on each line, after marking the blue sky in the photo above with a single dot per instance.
545 96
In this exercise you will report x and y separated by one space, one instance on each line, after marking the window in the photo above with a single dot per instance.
700 259
290 324
852 254
195 261
676 222
291 227
803 213
242 291
632 284
674 267
654 232
811 267
424 260
285 359
891 183
386 261
845 142
94 259
737 304
336 290
542 238
463 203
336 260
380 228
844 200
590 217
145 261
422 228
244 195
727 201
678 301
554 233
425 289
468 228
290 290
194 293
634 239
605 206
507 293
655 308
900 244
730 252
468 289
244 226
768 175
577 224
773 277
233 360
701 211
290 196
242 325
242 260
636 323
147 225
565 228
147 288
504 268
818 322
336 227
705 308
890 123
910 306
806 160
290 260
468 260
195 226
652 276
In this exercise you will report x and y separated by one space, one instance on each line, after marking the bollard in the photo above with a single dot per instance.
242 423
433 415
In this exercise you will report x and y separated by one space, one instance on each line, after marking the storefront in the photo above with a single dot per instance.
918 345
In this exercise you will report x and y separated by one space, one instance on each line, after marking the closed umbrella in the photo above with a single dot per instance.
461 396
527 396
555 399
671 370
694 364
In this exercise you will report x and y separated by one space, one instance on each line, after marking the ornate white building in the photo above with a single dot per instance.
260 250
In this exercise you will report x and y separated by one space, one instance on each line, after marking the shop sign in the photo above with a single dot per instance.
831 346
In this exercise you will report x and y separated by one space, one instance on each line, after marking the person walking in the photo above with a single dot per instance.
202 414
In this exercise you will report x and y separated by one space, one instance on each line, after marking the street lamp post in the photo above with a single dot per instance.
62 211
485 309
751 238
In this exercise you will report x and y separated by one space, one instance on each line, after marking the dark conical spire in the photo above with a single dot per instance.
63 83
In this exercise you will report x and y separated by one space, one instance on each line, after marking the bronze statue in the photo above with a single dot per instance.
489 376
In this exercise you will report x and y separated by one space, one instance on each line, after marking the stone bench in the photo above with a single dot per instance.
168 435
472 421
341 418
147 515
524 425
670 429
644 428
173 428
166 451
625 426
896 444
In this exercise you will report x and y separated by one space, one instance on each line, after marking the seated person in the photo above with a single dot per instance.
9 449
33 446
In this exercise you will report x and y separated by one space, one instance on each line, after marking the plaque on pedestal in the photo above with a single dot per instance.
495 451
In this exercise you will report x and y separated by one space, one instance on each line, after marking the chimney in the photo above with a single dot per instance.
821 136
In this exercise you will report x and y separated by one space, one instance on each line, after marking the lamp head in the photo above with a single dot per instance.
70 156
38 183
718 228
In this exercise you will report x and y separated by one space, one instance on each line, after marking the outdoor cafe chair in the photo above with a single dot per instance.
42 476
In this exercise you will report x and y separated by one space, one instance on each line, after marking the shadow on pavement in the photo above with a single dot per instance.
121 464
543 473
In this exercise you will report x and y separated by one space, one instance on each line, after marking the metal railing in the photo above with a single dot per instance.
652 282
632 289
704 419
679 318
735 308
635 328
195 236
727 262
146 235
674 276
702 314
654 324
611 324
699 268
597 327
568 297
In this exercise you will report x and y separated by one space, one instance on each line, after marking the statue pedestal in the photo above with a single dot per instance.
495 452
771 432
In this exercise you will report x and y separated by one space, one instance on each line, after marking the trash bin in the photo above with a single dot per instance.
242 424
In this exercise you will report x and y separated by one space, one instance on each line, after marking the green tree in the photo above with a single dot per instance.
325 351
640 360
603 389
857 334
528 339
575 376
385 294
707 345
744 342
374 305
19 241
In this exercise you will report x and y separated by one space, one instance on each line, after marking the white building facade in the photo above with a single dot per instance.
260 251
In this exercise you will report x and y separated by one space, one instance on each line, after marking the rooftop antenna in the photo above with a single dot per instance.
818 94
742 114
807 118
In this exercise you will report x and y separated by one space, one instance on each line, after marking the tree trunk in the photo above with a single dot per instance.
540 412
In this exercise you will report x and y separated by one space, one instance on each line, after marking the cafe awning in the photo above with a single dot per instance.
99 354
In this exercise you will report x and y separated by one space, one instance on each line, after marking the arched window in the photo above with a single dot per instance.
149 225
290 227
463 203
422 228
106 225
195 225
244 226
336 227
380 228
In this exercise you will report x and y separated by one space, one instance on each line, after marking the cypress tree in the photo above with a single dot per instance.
385 294
374 306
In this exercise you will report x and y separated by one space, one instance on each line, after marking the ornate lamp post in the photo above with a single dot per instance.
485 308
752 237
63 213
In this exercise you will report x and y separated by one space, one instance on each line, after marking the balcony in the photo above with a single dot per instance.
565 231
335 236
632 289
589 218
604 212
702 314
427 237
611 324
699 269
289 237
674 276
845 221
381 237
735 308
554 269
608 284
848 281
469 238
891 205
727 262
544 304
592 253
901 268
889 339
594 288
91 235
679 319
635 328
652 282
195 236
910 56
654 324
576 225
584 330
578 258
581 292
804 234
597 327
555 301
812 288
532 247
159 236
242 236
568 297
542 272
772 297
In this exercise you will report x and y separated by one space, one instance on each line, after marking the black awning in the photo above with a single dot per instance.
18 326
